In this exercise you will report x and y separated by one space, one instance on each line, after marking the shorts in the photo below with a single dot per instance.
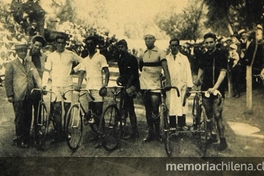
59 91
96 96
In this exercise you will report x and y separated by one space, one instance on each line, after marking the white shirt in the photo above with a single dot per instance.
93 67
59 66
181 77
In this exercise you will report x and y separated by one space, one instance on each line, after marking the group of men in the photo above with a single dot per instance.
58 66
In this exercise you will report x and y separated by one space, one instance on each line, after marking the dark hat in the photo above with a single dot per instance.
241 31
39 39
122 42
19 46
210 35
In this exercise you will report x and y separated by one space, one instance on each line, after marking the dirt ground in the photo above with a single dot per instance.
133 157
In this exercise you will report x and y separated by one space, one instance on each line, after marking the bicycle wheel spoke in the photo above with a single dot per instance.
74 127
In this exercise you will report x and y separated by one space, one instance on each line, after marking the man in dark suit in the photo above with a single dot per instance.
128 77
21 76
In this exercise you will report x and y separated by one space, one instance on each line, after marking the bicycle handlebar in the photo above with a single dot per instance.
206 93
166 89
81 90
43 92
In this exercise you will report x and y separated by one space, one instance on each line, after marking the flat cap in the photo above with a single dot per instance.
39 39
19 46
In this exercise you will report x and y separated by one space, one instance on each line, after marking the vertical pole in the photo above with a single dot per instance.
249 89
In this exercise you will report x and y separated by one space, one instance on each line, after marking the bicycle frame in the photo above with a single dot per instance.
41 121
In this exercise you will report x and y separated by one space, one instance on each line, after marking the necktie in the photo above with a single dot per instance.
24 64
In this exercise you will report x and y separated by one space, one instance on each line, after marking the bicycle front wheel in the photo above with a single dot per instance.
41 126
112 126
203 132
74 127
167 133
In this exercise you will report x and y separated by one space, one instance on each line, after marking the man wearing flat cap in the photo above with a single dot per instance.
128 77
36 55
21 76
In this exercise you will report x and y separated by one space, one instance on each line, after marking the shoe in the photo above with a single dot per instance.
22 145
237 96
212 139
85 122
15 139
57 140
148 138
223 144
159 138
132 136
193 127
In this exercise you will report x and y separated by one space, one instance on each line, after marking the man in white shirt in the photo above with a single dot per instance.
93 65
59 67
181 77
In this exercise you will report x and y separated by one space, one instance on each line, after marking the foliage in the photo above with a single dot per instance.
186 25
236 13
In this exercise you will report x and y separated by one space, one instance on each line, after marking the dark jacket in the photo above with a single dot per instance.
128 70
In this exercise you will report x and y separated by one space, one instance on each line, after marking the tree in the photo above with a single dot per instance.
186 25
228 16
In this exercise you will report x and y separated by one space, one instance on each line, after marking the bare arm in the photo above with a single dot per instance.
166 72
107 75
219 81
199 77
80 79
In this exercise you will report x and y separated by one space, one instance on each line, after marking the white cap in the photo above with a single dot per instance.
150 32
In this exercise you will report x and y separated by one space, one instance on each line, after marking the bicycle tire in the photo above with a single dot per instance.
74 129
203 137
167 132
112 127
41 126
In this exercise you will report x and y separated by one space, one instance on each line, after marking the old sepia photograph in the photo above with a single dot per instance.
131 87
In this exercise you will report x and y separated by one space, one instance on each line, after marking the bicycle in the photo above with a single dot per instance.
75 120
200 118
42 121
113 120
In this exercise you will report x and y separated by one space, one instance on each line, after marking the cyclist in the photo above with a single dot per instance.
152 64
59 67
181 77
128 77
93 65
211 77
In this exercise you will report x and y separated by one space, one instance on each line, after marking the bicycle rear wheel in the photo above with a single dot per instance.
203 137
74 127
41 126
112 127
